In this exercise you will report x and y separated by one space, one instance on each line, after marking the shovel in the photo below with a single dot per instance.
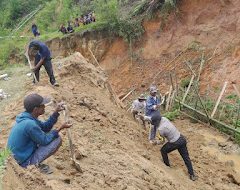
30 65
73 156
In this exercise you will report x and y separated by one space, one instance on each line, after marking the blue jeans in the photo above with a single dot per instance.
42 153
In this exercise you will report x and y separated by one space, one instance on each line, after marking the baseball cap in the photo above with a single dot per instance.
34 100
142 97
153 89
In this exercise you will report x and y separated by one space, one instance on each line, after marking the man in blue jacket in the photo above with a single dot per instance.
32 141
152 111
40 53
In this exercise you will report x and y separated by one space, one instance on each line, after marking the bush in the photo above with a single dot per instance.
172 115
185 82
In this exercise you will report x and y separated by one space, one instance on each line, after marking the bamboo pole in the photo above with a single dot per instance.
219 99
220 115
116 99
172 98
201 67
171 80
236 89
189 66
128 94
168 98
188 88
94 58
200 99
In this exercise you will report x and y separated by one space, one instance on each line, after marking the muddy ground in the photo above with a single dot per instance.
112 148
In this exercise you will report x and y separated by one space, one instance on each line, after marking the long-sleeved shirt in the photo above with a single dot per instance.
151 103
43 49
168 130
28 133
139 106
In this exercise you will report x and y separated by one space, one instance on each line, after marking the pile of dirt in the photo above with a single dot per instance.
112 149
110 146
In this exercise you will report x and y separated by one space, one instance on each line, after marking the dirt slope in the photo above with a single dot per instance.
113 150
213 25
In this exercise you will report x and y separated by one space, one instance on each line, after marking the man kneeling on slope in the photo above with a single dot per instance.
31 140
176 141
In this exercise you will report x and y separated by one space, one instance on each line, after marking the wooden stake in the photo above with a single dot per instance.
220 115
172 99
236 89
116 99
201 67
94 58
189 66
128 94
171 80
168 98
30 65
176 81
219 99
69 134
200 99
188 88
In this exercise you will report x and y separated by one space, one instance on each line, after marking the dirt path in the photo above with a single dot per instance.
113 151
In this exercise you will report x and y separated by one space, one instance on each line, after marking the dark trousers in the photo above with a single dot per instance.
181 146
155 121
48 67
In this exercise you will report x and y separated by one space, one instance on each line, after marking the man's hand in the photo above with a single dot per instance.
34 69
65 126
60 107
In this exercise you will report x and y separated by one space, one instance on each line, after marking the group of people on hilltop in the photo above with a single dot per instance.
82 20
148 109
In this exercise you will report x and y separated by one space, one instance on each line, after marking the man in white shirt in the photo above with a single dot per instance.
176 141
138 108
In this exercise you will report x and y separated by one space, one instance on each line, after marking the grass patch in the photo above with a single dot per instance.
4 154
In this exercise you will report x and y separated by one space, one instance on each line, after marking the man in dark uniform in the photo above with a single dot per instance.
40 53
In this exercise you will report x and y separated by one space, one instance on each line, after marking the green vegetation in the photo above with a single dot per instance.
172 114
3 156
185 82
111 16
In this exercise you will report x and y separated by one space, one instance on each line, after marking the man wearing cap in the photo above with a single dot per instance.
152 111
138 108
40 53
32 141
176 141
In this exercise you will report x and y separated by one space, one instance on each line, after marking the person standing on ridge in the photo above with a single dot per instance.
35 30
